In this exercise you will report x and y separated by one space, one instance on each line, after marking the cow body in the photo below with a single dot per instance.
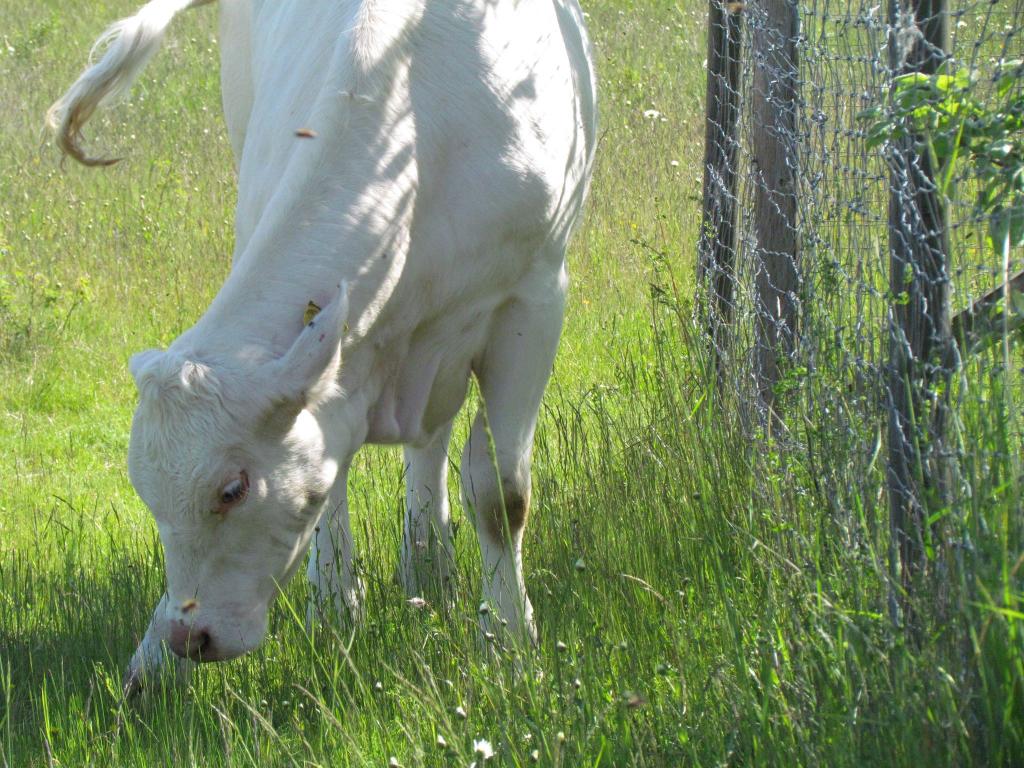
415 168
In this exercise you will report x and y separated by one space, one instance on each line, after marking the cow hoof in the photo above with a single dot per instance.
342 608
131 685
151 668
500 632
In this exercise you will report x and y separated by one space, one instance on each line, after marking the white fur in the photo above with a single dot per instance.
453 147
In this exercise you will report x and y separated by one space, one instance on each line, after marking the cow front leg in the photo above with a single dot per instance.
152 659
336 589
513 373
496 495
427 557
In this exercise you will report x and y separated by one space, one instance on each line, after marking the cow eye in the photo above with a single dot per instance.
234 492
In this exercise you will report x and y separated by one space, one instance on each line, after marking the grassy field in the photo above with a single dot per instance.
698 602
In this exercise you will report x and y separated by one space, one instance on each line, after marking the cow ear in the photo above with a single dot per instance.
307 373
141 365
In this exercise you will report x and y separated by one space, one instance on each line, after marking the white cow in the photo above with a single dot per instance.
414 167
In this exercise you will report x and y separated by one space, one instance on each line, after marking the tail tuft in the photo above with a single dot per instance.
126 48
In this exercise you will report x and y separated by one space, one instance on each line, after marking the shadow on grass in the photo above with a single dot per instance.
65 617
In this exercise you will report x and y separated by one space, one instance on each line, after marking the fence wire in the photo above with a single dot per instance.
807 307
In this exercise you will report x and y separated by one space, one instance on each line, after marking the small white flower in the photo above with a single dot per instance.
674 163
483 748
441 742
652 114
460 712
416 602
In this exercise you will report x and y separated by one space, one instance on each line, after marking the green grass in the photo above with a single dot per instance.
701 600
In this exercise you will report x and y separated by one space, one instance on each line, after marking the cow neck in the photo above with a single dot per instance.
261 307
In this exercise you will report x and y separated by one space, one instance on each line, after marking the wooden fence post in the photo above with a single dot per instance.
716 249
774 175
922 352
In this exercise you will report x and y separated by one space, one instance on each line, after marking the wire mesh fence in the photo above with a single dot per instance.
860 260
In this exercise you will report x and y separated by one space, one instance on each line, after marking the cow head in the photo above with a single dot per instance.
233 465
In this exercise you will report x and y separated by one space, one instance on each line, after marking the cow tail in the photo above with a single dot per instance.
127 46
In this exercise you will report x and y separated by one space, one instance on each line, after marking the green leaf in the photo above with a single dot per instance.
989 195
1000 148
911 79
1016 216
1015 70
1017 302
1007 222
876 139
871 113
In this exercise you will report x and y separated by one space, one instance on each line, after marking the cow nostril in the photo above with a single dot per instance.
191 642
200 642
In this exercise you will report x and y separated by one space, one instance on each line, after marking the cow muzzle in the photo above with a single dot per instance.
192 641
202 635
